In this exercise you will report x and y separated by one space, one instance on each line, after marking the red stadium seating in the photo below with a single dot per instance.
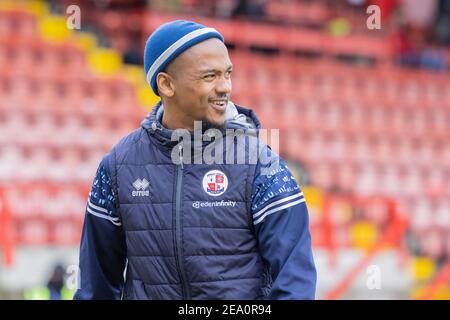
366 130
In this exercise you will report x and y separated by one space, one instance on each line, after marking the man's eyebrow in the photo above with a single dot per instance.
215 70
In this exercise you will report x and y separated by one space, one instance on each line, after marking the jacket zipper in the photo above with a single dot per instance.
179 240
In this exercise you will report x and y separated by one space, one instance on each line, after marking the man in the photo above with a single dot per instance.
183 228
55 289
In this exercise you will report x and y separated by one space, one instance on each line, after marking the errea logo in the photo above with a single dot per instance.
140 185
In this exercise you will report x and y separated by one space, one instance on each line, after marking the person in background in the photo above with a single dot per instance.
54 290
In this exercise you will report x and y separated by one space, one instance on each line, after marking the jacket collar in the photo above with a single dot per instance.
236 117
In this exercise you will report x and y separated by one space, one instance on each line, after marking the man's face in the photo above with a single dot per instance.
202 82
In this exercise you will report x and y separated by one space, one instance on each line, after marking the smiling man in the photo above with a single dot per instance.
159 229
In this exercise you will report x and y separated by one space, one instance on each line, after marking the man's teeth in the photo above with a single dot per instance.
219 103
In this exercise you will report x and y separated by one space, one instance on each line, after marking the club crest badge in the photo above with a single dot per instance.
215 183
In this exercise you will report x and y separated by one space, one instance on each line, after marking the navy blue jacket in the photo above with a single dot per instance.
154 229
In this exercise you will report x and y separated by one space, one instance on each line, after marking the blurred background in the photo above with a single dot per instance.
363 113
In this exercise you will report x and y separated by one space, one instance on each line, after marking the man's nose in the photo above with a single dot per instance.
224 86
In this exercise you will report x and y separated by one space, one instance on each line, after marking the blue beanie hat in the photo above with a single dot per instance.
168 41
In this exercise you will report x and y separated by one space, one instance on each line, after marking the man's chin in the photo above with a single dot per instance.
213 124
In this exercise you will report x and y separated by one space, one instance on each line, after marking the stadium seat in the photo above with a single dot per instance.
66 232
433 244
297 12
33 233
423 268
441 216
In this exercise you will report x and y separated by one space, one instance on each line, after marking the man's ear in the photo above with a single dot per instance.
165 84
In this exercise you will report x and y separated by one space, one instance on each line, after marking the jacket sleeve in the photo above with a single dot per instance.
103 248
280 218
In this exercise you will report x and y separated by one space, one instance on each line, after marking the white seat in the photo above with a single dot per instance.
421 215
367 180
441 216
11 161
433 244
